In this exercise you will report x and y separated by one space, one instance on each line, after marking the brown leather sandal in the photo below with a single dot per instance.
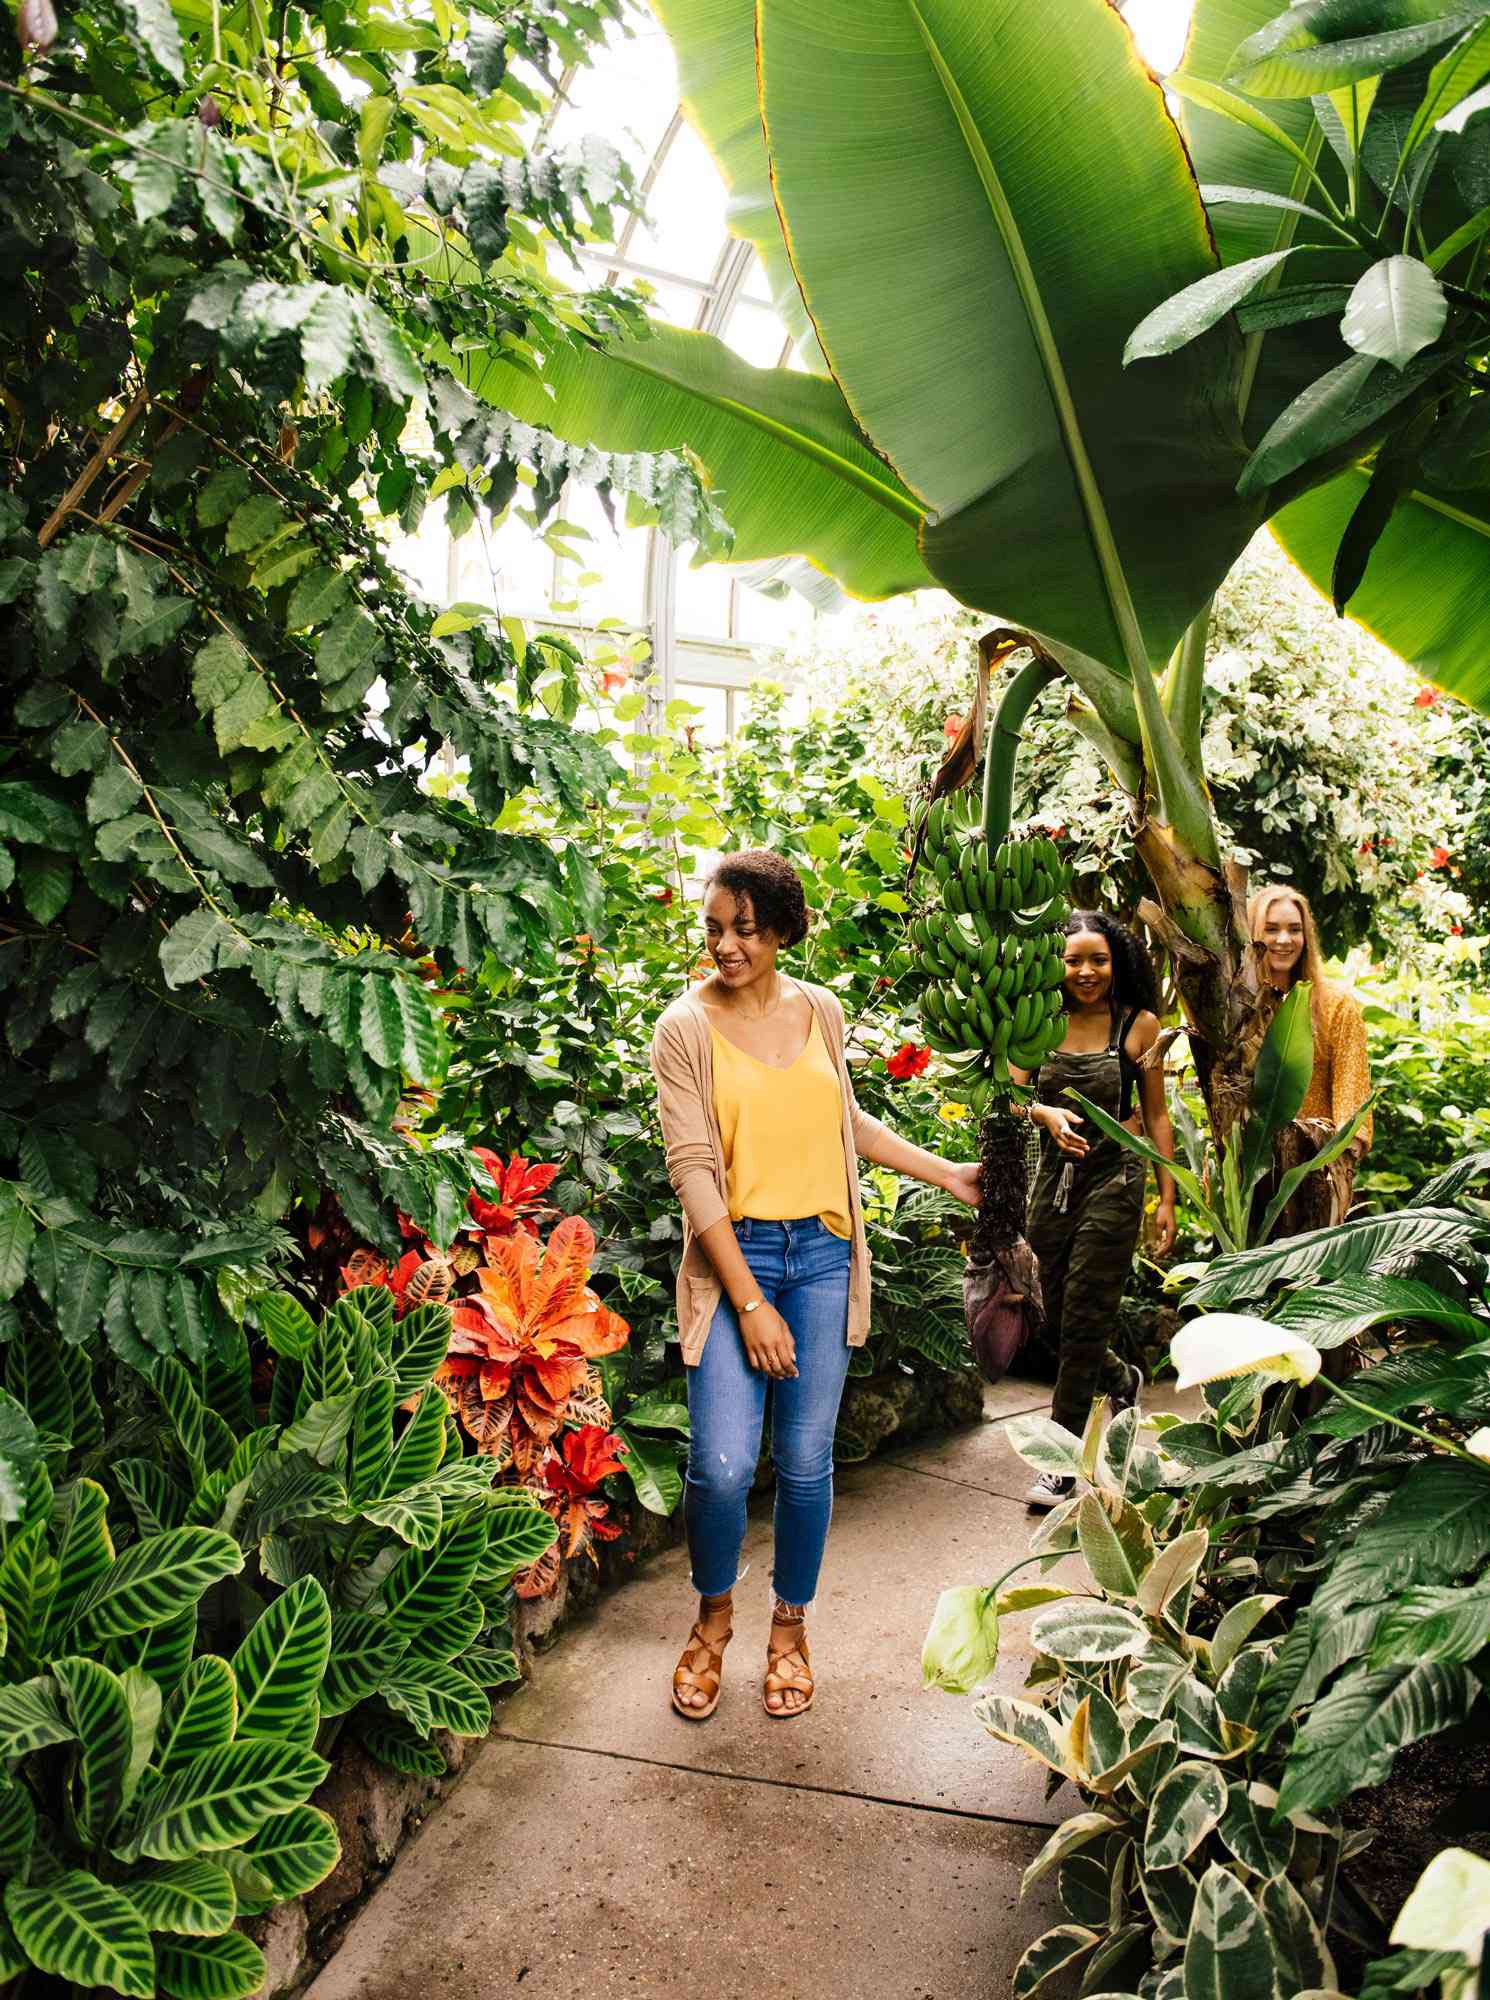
788 1671
701 1666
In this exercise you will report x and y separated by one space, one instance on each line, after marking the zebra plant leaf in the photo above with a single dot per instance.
84 1552
79 1929
31 1717
420 1447
17 1828
280 1664
295 1850
363 1651
426 1583
372 1441
230 1967
421 1340
143 1696
219 1799
156 1581
201 1715
193 1898
416 1515
448 1636
440 1691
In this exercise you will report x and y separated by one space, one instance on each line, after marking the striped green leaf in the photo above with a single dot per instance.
252 1887
229 1967
1449 1626
295 1850
84 1552
12 1958
416 1515
28 1581
17 1827
195 1898
425 1583
219 1799
421 1340
155 1500
421 1444
491 1666
185 1409
157 1580
99 1710
31 1716
448 1698
280 1664
38 1378
322 1428
288 1327
447 1636
518 1536
327 1371
144 1698
201 1715
249 1450
372 1440
162 1651
363 1650
400 1746
287 1486
78 1929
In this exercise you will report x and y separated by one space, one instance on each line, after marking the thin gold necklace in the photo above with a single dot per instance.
766 1012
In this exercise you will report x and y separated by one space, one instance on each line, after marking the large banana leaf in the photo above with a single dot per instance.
974 248
792 471
715 45
1426 591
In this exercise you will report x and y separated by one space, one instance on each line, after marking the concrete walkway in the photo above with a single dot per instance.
599 1845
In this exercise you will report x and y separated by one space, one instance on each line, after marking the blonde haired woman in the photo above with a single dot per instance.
1281 924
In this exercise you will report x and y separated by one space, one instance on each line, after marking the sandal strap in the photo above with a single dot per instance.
790 1666
712 1650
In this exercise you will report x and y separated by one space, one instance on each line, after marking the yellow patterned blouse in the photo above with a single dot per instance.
1342 1076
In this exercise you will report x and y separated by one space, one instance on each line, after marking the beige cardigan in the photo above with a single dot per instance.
683 1064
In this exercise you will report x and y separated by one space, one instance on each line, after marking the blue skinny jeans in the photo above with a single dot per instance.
802 1269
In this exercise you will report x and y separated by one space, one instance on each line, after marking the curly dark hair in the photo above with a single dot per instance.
1133 981
771 886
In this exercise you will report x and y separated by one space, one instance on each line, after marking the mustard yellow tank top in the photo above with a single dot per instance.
783 1135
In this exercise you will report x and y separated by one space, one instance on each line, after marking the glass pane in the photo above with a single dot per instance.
756 334
685 211
702 602
628 94
772 621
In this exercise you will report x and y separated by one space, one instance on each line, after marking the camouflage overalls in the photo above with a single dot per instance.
1084 1221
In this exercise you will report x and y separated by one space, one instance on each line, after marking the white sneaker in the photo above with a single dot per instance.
1050 1489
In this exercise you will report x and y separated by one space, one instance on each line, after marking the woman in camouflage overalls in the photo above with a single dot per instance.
1088 1200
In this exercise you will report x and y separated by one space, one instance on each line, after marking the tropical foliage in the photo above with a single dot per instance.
1277 1599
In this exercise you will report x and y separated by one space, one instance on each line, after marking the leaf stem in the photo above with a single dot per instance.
1401 1423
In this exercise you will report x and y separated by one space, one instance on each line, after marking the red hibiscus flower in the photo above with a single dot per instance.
1426 698
907 1061
952 728
1440 857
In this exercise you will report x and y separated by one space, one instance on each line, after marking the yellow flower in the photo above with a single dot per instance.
951 1112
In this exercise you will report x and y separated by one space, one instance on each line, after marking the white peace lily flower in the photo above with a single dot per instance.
1478 1446
1218 1345
1449 1910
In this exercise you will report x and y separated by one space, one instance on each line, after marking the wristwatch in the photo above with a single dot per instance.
750 1308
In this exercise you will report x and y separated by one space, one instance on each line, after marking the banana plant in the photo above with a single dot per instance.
1343 152
962 415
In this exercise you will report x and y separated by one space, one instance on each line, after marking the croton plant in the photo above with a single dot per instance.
526 1330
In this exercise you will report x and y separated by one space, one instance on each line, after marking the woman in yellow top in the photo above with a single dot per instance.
1282 927
763 1137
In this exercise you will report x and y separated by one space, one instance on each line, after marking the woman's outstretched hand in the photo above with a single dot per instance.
965 1181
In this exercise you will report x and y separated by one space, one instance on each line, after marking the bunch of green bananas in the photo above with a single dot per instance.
993 955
